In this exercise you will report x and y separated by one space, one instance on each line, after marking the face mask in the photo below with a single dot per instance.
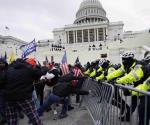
105 65
127 62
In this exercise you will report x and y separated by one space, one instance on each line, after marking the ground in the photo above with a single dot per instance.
78 116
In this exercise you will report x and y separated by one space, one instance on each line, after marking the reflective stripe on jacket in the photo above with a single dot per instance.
111 70
100 77
87 72
100 69
116 73
135 75
93 73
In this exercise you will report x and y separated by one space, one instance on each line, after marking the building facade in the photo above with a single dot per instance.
90 25
11 40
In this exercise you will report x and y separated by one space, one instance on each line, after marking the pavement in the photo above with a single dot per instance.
77 116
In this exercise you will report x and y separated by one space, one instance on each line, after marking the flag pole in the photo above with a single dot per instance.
35 51
6 30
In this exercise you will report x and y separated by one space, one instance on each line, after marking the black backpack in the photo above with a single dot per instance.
62 89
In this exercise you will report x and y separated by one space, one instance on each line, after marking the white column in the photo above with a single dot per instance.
65 38
94 34
82 36
83 21
68 36
104 33
97 34
90 20
76 37
107 32
88 35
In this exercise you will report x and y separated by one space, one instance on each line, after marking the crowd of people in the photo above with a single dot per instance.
24 83
20 80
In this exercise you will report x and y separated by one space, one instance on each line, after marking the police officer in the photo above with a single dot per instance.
139 77
95 66
128 63
89 68
103 69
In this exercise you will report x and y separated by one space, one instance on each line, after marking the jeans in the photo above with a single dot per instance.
47 91
35 99
51 99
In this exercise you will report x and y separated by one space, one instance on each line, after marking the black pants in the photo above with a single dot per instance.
141 110
119 102
133 103
79 86
2 106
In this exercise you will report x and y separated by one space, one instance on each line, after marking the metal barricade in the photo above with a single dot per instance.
127 109
115 105
98 102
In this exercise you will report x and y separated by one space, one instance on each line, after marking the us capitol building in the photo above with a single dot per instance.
90 25
91 36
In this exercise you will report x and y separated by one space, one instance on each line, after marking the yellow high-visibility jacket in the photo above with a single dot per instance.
119 72
133 76
115 73
144 87
100 69
111 70
102 76
98 78
93 73
87 72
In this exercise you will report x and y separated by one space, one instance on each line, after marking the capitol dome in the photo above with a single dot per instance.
90 11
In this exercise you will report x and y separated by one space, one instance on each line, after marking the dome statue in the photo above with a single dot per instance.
90 11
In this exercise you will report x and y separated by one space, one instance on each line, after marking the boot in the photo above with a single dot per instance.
70 107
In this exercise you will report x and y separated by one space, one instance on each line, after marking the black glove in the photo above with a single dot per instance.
126 92
112 82
99 82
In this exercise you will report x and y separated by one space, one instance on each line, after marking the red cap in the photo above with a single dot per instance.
31 61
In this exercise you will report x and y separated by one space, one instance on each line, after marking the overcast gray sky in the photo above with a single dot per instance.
28 19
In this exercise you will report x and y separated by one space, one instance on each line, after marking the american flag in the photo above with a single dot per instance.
28 48
77 72
64 66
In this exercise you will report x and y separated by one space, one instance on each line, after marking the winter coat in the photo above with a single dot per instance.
64 87
19 81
